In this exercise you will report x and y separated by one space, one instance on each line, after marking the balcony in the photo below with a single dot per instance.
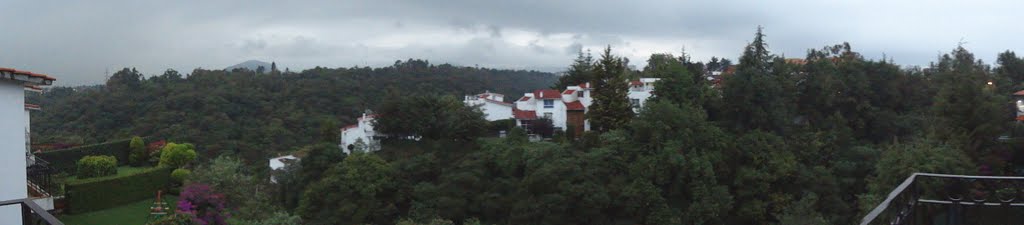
31 213
926 198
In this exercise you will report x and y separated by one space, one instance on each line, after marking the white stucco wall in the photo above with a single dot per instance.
558 116
492 110
364 130
642 96
12 150
495 111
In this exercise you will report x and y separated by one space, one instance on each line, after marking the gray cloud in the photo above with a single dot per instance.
77 41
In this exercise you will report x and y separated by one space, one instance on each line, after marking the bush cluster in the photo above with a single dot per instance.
96 166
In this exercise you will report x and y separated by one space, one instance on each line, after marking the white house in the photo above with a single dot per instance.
567 109
278 163
492 104
639 91
13 144
363 132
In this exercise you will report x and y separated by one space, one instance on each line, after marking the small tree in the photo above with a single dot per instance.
138 155
177 155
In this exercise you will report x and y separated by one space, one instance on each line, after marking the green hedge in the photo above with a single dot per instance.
66 159
117 190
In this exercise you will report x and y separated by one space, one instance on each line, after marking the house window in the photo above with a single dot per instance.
547 115
548 103
635 102
579 93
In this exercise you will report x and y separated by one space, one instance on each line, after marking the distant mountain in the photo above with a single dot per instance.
251 65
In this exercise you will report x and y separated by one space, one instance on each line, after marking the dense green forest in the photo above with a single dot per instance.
249 113
819 140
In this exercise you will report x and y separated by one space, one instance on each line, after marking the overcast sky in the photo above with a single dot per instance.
77 41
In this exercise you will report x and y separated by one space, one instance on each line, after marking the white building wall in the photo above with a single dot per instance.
558 116
12 150
494 111
642 96
364 130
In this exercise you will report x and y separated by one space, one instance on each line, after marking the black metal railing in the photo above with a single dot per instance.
31 213
928 198
41 174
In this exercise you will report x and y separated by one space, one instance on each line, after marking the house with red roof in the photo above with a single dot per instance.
14 152
493 105
360 135
567 109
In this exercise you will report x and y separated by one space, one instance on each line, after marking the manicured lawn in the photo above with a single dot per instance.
130 214
121 171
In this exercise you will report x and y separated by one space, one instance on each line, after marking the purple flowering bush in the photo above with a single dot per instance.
205 206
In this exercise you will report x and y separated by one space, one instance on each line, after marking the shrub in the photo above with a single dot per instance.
137 155
114 191
173 219
177 155
179 175
96 166
203 204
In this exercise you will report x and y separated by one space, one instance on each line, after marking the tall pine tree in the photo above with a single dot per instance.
611 108
581 71
753 97
967 109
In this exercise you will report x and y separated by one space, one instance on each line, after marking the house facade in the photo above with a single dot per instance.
13 144
361 132
567 109
493 105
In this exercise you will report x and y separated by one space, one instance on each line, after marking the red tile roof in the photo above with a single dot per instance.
1019 93
524 98
547 94
349 127
635 83
32 106
524 114
576 105
26 73
569 92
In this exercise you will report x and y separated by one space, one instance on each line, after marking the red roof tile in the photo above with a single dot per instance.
30 74
635 83
32 106
524 98
576 105
1019 93
524 114
568 92
349 127
547 94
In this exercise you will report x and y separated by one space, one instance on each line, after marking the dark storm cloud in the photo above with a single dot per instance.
77 41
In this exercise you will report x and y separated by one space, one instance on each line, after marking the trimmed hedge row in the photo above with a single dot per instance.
114 191
67 159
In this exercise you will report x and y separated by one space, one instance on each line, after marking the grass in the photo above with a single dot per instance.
121 171
129 214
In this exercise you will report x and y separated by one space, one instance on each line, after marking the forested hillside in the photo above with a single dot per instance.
248 113
817 140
